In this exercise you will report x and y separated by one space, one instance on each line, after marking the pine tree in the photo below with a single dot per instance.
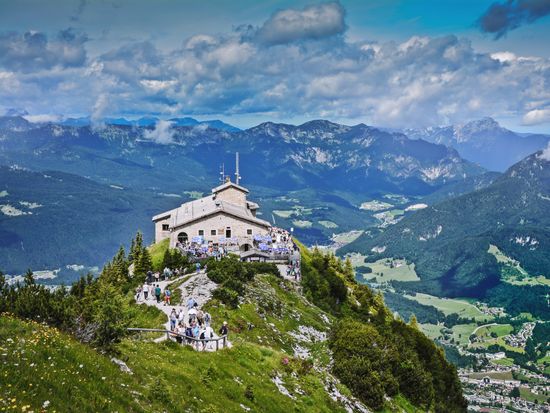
413 322
29 278
167 260
349 272
120 267
143 263
136 247
110 316
132 250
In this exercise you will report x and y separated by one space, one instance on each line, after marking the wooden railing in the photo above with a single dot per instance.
194 342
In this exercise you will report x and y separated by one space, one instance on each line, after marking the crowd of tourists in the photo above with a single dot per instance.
293 270
277 241
187 324
191 323
200 249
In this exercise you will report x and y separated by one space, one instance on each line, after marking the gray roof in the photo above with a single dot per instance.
203 207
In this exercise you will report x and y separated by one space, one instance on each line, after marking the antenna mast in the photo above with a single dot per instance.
237 176
222 173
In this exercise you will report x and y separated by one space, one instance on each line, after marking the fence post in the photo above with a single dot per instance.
224 338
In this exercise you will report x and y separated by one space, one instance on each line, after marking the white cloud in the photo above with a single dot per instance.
43 118
312 22
545 153
163 133
98 111
297 64
536 116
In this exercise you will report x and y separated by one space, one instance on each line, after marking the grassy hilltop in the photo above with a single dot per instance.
326 346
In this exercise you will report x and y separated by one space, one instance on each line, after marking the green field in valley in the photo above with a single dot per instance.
513 272
433 331
392 270
451 306
328 224
499 330
462 332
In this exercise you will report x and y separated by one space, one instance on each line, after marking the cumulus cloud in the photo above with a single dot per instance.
163 133
98 111
536 116
501 17
33 50
312 22
43 118
545 153
419 82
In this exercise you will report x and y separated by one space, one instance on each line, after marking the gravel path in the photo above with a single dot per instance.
197 286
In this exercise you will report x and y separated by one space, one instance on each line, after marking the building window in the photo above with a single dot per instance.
248 231
212 232
165 227
221 231
182 237
201 232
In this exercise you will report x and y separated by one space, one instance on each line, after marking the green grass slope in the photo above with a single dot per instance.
449 241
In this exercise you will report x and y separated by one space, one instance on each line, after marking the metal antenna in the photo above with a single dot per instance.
237 176
222 173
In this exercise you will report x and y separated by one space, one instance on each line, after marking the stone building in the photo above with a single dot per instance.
224 216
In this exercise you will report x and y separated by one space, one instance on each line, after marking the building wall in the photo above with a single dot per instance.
233 196
159 233
218 222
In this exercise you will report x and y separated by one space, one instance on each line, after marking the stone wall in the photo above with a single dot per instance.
233 196
218 223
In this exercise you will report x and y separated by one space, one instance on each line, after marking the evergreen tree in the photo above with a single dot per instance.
136 247
413 322
167 260
110 316
349 272
143 263
29 278
120 267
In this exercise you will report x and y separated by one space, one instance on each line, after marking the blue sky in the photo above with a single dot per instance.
390 63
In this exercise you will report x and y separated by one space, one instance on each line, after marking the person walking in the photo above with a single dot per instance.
138 293
192 313
157 293
191 303
167 296
145 292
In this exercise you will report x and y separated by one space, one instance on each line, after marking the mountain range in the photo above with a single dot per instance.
151 121
484 141
313 177
450 241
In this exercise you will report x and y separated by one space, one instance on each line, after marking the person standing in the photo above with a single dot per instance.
223 329
207 318
138 293
173 319
145 292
